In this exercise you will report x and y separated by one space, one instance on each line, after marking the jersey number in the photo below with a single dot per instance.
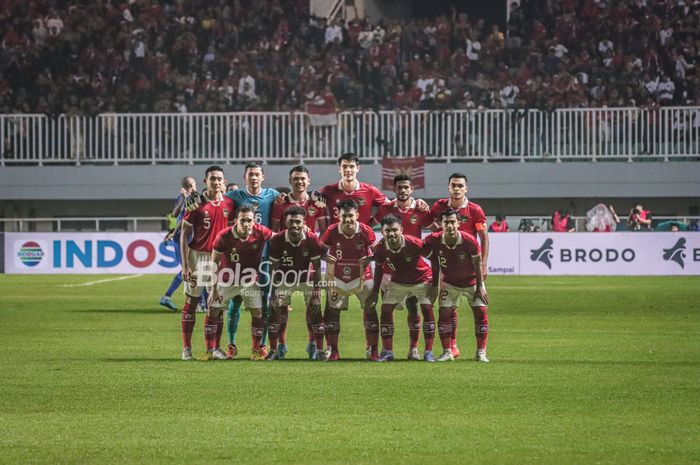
288 261
207 222
235 257
443 262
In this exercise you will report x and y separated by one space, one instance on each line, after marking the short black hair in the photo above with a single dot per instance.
349 156
390 219
283 189
294 210
346 204
245 209
229 185
500 217
299 169
401 177
449 212
457 175
212 168
251 165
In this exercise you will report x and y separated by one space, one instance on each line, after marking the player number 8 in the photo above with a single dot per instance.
338 254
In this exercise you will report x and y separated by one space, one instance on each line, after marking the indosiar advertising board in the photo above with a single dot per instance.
87 253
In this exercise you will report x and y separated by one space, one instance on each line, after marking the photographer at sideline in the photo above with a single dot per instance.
639 219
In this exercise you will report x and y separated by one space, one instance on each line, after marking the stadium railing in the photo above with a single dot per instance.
626 134
158 224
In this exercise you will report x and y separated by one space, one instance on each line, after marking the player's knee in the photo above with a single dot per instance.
256 312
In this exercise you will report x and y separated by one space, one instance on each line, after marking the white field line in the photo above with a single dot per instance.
91 283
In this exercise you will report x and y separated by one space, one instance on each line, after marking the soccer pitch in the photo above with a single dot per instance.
584 370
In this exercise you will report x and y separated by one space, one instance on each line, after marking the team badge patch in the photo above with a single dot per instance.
305 253
361 201
413 219
312 211
462 256
254 205
255 246
225 212
408 259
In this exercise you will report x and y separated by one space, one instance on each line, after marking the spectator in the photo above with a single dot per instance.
639 219
562 221
602 218
499 225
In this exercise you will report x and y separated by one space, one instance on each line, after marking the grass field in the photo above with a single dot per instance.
584 370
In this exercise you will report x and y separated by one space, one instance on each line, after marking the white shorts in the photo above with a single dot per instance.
282 295
252 295
449 296
397 293
198 261
340 301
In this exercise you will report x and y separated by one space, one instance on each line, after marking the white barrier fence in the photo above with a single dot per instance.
451 135
514 253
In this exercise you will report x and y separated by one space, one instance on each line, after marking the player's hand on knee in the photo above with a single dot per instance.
481 294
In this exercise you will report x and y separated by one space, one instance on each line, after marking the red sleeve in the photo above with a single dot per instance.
435 212
479 219
267 233
381 213
369 234
471 244
427 249
427 219
190 217
316 248
277 211
218 244
379 254
379 197
326 235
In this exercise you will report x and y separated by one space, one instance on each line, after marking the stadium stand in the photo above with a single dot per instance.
85 57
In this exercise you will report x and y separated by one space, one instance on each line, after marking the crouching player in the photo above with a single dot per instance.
238 253
457 255
294 255
349 243
410 277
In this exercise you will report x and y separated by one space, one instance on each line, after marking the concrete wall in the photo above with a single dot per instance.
525 188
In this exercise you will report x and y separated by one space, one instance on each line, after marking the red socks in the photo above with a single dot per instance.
445 327
481 327
187 322
387 326
428 325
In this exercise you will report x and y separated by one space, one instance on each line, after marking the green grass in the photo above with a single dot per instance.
584 370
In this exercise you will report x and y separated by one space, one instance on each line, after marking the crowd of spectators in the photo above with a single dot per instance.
95 56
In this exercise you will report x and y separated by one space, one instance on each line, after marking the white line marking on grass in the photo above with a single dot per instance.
90 283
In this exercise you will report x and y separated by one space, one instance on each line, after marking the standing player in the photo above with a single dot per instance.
349 243
238 252
260 199
365 195
413 220
471 220
294 255
410 278
315 208
456 255
205 222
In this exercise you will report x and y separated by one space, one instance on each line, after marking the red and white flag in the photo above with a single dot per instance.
322 114
412 166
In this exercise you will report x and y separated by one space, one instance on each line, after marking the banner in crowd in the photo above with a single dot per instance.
323 114
87 253
413 167
510 253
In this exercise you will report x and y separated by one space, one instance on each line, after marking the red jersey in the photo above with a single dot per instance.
456 261
297 257
208 220
406 265
412 220
350 248
312 212
471 216
244 253
366 195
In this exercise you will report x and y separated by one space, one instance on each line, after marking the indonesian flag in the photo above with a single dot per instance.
412 166
322 112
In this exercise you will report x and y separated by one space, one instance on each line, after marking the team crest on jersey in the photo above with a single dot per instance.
225 212
255 246
462 256
463 219
359 246
361 201
413 219
305 253
408 259
312 211
347 271
254 205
